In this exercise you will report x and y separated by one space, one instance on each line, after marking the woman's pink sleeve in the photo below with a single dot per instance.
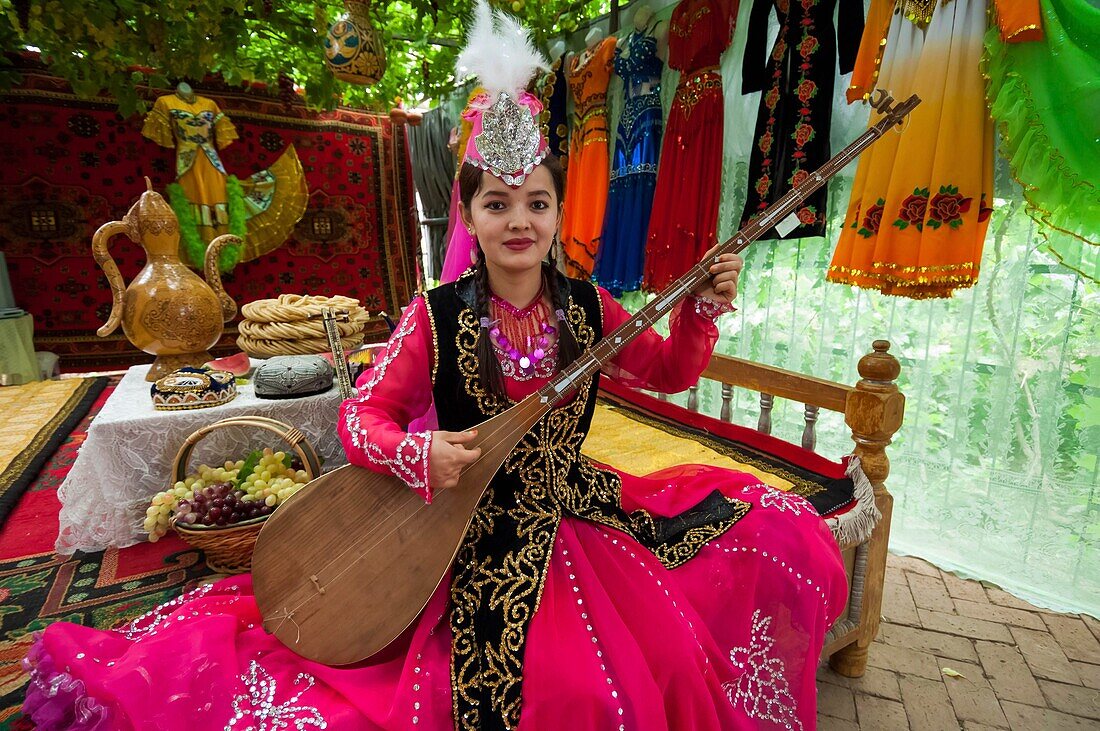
669 364
373 425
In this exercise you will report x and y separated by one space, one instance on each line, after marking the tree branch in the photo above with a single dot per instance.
447 42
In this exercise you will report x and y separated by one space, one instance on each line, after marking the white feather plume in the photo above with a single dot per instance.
499 52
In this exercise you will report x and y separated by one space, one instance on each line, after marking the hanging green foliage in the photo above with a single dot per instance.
115 45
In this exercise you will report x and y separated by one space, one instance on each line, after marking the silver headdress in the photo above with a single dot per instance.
505 139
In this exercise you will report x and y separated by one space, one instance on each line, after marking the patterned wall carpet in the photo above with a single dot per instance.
69 165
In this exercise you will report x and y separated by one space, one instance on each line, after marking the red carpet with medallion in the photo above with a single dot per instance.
37 587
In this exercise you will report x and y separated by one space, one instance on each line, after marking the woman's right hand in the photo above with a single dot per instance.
449 456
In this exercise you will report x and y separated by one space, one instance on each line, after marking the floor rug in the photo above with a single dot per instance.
34 419
106 589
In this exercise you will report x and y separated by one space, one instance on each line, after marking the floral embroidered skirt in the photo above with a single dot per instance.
922 195
728 640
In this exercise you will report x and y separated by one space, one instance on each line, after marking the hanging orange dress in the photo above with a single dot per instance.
922 197
871 46
589 173
1019 21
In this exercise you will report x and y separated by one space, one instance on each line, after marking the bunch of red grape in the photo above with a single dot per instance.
218 496
219 504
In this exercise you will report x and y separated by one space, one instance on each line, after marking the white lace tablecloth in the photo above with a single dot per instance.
131 447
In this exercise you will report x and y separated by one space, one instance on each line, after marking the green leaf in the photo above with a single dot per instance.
188 39
248 467
1087 414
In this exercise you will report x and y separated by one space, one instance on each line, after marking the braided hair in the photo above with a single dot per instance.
488 367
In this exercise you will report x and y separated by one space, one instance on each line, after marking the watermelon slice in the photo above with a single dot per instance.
238 364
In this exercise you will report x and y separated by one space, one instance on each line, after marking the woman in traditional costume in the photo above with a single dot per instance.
582 597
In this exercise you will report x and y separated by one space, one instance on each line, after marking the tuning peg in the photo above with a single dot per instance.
881 101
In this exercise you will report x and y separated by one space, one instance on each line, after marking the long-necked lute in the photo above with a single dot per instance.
346 565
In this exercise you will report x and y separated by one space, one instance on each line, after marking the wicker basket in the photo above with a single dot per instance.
228 548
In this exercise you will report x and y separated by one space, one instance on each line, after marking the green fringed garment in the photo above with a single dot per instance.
1045 97
194 248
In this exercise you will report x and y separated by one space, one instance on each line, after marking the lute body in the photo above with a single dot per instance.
348 563
374 547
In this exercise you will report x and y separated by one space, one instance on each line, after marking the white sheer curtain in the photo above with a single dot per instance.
995 470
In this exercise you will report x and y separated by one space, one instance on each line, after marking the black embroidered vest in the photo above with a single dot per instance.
500 570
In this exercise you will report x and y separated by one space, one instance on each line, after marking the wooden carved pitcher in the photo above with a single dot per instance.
167 310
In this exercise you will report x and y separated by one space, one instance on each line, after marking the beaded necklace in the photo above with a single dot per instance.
523 334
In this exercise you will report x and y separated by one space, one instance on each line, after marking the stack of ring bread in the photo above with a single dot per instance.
292 325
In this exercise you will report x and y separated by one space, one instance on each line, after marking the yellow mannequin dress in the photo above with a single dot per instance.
273 199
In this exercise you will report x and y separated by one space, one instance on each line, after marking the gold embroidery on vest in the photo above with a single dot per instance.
514 588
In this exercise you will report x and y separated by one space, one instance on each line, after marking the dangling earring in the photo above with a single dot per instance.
475 251
552 255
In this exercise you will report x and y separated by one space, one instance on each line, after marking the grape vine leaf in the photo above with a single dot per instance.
248 467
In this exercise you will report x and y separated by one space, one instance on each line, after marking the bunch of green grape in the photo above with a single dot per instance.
215 495
274 479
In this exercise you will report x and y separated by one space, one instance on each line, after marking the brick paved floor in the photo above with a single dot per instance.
1020 667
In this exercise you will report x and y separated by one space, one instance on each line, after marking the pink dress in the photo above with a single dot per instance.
729 639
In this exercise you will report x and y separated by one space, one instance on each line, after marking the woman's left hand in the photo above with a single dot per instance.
722 286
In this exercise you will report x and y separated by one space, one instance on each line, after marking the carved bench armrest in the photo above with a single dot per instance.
777 382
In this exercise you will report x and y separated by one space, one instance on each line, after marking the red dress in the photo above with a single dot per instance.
684 222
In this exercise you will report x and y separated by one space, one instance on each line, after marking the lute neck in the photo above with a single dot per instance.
593 359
